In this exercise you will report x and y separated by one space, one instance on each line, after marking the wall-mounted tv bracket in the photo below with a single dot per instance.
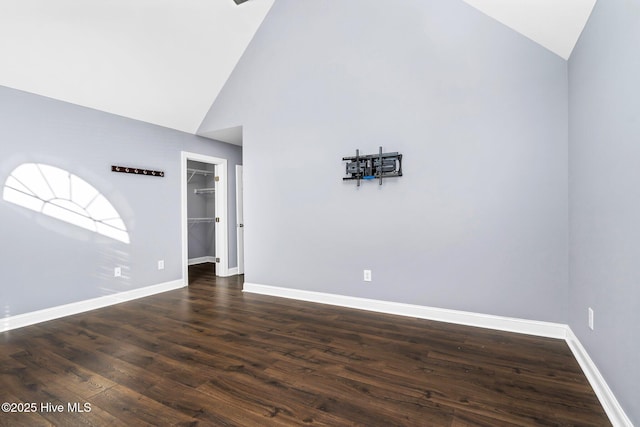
372 166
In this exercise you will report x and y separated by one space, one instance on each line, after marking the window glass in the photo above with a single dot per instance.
60 194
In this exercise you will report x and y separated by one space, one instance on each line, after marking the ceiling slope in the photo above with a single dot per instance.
165 61
554 24
159 61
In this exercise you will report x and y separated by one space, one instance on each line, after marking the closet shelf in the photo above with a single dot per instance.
200 171
204 190
193 172
197 220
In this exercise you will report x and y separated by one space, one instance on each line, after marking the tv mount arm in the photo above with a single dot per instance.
372 166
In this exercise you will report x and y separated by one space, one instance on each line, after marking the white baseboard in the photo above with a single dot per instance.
202 260
609 402
531 327
26 319
233 271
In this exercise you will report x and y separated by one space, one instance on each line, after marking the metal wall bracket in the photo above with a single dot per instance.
372 166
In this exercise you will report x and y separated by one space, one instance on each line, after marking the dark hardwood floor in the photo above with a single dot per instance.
211 355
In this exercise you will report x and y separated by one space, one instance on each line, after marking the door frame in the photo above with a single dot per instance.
240 221
221 228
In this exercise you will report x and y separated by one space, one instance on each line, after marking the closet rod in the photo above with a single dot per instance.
194 220
204 190
200 171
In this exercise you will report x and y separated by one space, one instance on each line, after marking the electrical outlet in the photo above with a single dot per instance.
367 275
161 264
117 272
591 318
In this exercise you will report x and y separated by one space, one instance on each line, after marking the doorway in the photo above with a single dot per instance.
217 193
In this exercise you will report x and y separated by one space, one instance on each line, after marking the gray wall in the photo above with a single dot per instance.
46 262
478 222
604 105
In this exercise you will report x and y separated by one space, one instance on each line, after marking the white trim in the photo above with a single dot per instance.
26 319
523 326
240 208
233 271
202 260
607 399
222 229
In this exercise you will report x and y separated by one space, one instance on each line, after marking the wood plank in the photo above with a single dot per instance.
138 409
29 388
12 419
212 355
51 367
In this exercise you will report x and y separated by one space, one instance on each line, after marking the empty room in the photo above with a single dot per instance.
320 212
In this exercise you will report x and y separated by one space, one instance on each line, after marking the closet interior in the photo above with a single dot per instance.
201 212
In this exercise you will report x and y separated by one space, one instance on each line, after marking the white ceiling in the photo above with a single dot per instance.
159 61
165 61
232 135
555 24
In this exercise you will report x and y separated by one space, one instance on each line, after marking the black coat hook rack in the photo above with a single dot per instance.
137 171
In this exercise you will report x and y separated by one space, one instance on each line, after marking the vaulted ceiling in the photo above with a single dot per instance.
555 24
159 61
165 61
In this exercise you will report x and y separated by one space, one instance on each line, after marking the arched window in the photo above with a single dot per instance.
62 195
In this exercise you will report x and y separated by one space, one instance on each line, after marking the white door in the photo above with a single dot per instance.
240 218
